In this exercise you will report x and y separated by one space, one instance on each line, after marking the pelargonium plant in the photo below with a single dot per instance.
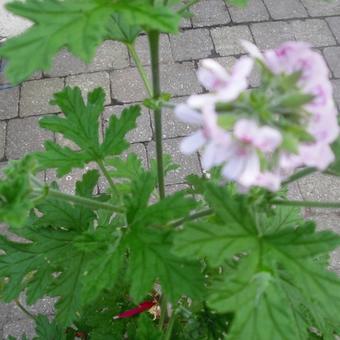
229 257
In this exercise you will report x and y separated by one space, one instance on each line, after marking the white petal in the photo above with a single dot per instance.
242 68
233 169
187 115
252 49
268 139
198 101
251 170
213 155
212 75
246 130
319 156
192 143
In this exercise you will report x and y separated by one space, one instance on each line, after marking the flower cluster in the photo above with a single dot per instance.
260 145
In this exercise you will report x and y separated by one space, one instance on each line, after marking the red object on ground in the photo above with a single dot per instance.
144 306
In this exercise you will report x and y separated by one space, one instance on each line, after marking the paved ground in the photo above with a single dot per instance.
213 32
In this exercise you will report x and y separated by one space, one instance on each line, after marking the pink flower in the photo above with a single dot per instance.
269 180
223 87
210 135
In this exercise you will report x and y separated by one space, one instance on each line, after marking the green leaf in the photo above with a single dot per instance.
147 329
119 29
152 259
239 3
114 142
81 122
87 185
334 168
81 126
61 158
48 330
259 304
16 190
78 25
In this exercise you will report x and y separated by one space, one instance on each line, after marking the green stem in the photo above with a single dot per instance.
307 204
29 314
108 177
187 6
140 68
192 217
87 202
154 51
298 175
170 327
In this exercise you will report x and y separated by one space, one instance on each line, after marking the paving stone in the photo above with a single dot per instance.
142 48
254 11
271 34
192 44
336 87
67 183
314 31
227 39
171 189
5 311
89 81
209 13
3 127
321 8
44 306
286 9
332 55
172 127
180 79
127 86
9 103
319 187
294 192
142 133
334 23
36 95
18 328
188 164
25 135
110 55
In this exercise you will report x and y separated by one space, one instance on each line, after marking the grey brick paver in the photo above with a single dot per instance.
254 11
19 328
321 8
142 48
36 95
210 13
142 133
180 79
90 81
127 94
336 88
286 9
227 39
314 31
25 135
9 103
110 55
3 127
271 34
334 23
192 44
332 55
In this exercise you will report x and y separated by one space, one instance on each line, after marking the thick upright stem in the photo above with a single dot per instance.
154 51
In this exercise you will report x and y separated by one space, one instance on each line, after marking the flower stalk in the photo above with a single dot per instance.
154 51
307 204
